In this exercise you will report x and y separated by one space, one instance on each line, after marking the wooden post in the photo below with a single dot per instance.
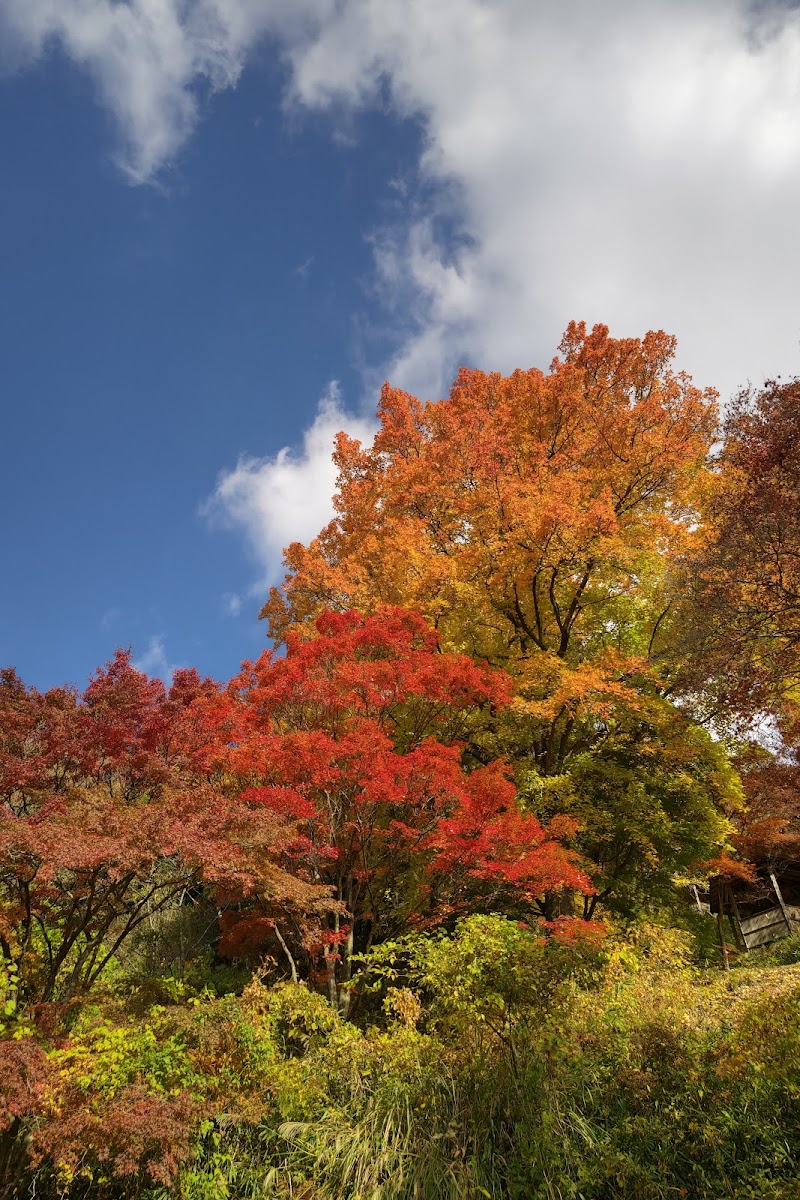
735 907
729 914
721 927
778 893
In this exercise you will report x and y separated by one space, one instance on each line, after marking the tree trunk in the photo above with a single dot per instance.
14 1165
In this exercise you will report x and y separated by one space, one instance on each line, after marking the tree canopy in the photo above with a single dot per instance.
540 523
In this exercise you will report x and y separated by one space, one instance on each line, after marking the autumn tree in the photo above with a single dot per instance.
768 828
744 632
538 522
652 799
109 813
355 736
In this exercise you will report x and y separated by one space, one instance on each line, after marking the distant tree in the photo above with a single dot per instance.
108 813
744 639
769 827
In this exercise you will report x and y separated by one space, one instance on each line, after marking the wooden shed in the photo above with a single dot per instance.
761 911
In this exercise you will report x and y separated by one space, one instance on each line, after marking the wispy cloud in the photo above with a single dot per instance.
286 497
153 61
154 660
110 617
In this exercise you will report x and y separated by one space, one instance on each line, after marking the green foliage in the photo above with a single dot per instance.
101 1058
651 802
9 996
176 946
299 1020
656 1078
492 972
783 953
493 1062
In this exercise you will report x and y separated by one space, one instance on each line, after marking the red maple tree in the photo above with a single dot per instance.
109 813
354 735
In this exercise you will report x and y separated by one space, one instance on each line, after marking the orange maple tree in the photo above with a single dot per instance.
532 519
541 522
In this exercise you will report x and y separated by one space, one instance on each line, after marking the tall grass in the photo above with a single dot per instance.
660 1089
488 1074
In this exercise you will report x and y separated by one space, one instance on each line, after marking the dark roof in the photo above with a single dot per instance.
752 898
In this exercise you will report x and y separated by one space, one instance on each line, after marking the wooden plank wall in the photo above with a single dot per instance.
769 926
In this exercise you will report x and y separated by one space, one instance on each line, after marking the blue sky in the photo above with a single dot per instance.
224 222
150 336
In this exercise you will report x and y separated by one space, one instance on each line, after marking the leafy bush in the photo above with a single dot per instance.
490 1063
783 953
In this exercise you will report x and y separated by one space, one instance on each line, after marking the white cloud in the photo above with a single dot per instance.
154 660
636 163
232 604
288 497
152 60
